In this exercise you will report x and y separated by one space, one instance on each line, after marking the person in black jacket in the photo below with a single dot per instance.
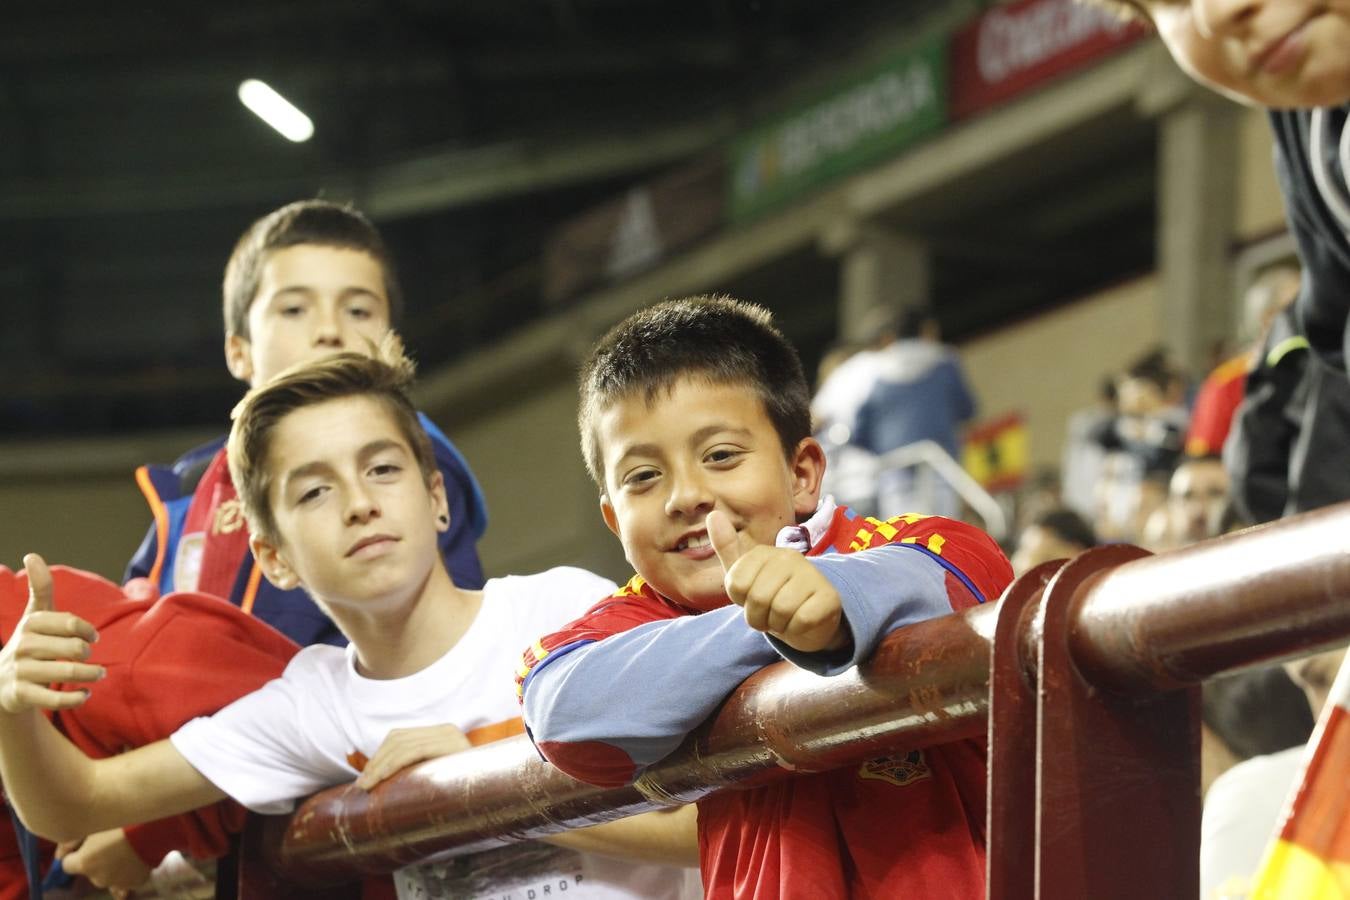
1291 435
1291 57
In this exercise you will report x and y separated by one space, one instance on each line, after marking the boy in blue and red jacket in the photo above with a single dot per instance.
695 425
309 279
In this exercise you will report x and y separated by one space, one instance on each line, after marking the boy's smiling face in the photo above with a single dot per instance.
357 520
312 300
699 447
1274 53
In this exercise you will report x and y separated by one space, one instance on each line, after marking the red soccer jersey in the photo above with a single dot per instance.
907 825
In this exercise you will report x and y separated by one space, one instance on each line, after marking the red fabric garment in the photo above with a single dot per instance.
214 543
1219 396
907 825
168 660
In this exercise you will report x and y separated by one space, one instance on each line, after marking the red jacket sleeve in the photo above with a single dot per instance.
168 660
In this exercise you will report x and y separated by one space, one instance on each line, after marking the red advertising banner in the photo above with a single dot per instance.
1017 46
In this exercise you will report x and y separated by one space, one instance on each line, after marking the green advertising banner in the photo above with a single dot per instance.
871 116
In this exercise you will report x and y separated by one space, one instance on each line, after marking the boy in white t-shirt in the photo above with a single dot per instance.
344 498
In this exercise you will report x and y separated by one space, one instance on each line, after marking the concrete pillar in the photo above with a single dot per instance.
879 267
1198 171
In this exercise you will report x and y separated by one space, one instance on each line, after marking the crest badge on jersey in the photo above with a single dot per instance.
187 565
900 769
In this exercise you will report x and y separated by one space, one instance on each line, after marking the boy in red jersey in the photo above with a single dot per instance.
695 424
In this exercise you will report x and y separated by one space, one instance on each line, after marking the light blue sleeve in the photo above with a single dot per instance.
604 710
880 590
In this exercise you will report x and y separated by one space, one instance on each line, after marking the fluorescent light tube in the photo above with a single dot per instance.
275 110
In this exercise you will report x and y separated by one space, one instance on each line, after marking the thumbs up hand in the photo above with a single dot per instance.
782 594
46 647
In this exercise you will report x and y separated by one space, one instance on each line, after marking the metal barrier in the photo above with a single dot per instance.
1084 674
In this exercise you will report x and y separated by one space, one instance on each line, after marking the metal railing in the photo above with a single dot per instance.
866 481
1084 676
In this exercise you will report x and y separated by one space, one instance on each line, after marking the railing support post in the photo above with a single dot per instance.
1011 871
1117 776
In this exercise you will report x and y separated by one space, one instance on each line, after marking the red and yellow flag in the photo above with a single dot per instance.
996 452
1310 859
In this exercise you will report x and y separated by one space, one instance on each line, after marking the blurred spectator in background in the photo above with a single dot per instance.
851 476
1142 445
912 389
1083 452
1223 389
839 390
1197 497
1256 726
1038 493
1054 534
1252 713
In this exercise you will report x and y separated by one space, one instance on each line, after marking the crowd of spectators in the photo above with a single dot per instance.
1162 461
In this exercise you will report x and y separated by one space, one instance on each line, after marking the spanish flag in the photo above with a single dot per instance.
1310 859
996 452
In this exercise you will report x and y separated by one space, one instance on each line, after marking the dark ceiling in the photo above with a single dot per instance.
128 167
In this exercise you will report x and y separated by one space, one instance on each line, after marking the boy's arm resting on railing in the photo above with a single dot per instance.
612 694
58 791
880 590
605 703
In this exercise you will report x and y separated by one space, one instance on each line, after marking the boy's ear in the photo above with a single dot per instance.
273 564
807 465
607 513
239 357
440 505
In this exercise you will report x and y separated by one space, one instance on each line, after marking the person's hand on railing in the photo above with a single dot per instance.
405 746
782 594
106 860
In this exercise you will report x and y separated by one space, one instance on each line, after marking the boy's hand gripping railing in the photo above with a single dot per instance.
1093 724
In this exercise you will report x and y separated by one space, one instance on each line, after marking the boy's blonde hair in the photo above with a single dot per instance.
386 376
320 223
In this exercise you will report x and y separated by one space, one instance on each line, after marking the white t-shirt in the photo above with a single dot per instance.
302 732
1241 818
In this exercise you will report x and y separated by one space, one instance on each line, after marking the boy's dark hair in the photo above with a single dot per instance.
1068 526
387 378
319 222
724 340
1256 712
1155 368
912 321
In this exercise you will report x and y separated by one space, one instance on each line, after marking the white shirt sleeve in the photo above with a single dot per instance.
261 749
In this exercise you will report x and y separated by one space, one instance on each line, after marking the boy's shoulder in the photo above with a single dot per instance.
635 603
966 551
565 590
